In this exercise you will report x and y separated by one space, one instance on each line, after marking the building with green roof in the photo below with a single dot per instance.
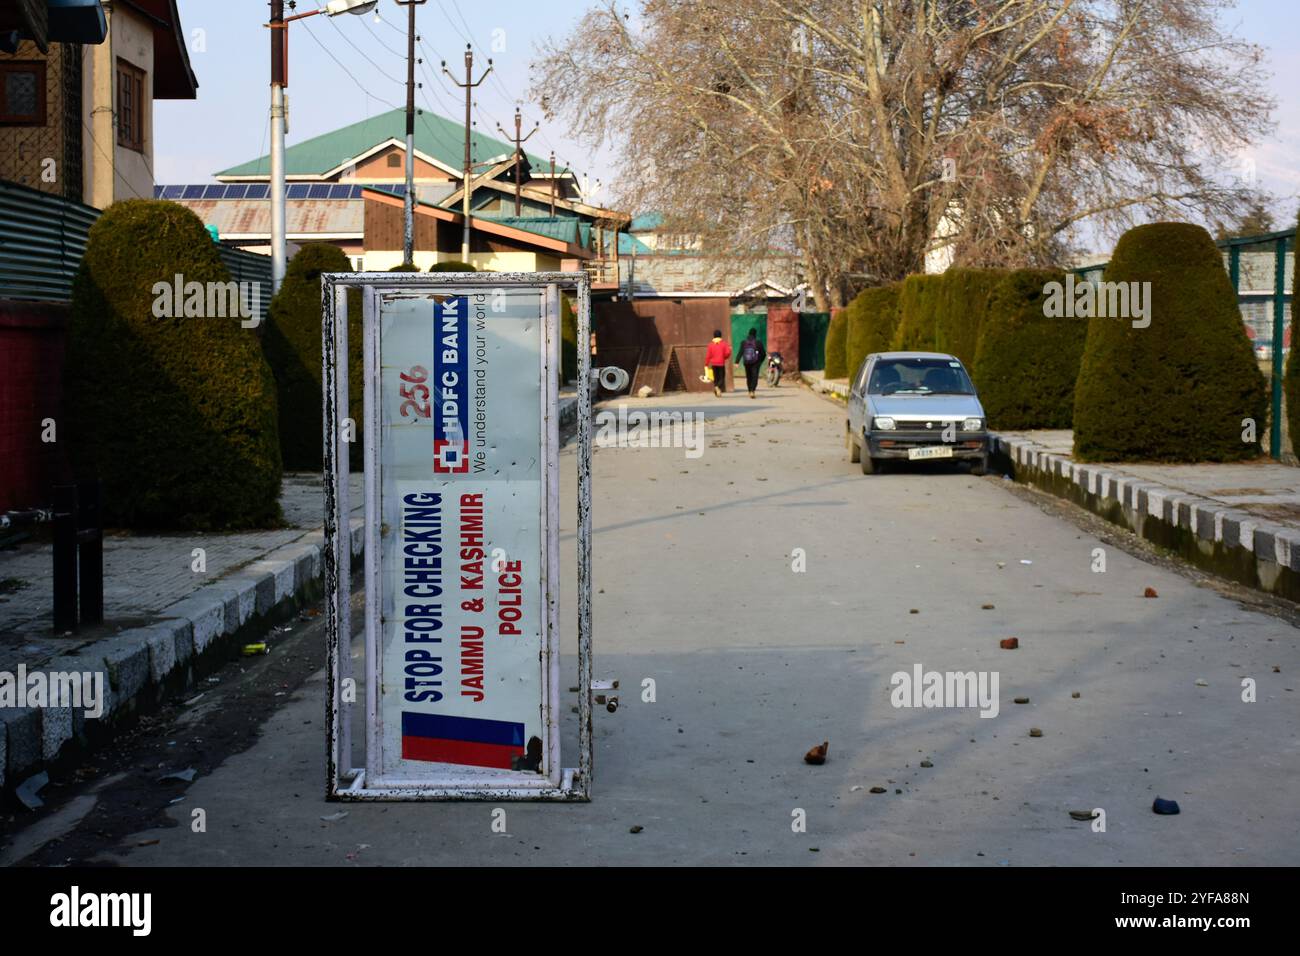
339 183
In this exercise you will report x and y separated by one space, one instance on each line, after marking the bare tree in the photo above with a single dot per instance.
859 135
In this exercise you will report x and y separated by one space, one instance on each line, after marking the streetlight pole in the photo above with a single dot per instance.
279 78
279 116
408 206
468 87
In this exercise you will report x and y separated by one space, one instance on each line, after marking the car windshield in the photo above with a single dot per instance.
920 376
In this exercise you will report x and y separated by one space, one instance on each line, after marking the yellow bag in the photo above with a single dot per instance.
708 374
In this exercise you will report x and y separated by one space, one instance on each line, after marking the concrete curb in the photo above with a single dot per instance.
838 390
140 665
1226 541
568 411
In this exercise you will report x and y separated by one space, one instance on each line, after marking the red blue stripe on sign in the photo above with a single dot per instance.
469 741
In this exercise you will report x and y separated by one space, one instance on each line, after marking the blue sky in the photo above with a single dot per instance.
227 124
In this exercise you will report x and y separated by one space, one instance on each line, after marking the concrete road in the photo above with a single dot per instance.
754 662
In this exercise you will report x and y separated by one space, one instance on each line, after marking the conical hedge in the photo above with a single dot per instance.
1026 363
1181 388
919 302
963 301
452 265
568 341
176 414
872 320
836 345
292 345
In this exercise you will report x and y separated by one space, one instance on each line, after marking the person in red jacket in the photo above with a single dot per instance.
716 358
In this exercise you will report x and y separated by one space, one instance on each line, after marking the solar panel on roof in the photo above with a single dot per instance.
236 191
258 191
320 191
214 192
192 192
296 192
340 192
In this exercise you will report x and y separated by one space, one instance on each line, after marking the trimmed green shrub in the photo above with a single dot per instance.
837 344
568 341
872 320
1026 363
963 299
404 267
918 313
1180 388
453 265
176 414
292 346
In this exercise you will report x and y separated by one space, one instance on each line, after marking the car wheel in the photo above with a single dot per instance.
979 466
855 453
870 466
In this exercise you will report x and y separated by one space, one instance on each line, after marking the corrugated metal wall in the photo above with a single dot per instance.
42 240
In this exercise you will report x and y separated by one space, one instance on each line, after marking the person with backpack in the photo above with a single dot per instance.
715 359
752 354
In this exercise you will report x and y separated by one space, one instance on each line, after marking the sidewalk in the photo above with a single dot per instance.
1239 520
165 625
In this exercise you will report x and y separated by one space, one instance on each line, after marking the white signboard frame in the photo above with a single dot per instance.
388 300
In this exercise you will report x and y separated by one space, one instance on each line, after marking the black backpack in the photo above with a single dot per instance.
749 352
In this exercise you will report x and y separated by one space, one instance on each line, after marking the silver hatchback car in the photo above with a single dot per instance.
914 406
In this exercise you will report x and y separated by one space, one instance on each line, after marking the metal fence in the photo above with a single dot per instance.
43 239
1262 270
250 267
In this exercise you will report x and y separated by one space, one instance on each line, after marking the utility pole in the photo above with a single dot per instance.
518 154
408 207
279 79
552 184
468 87
280 118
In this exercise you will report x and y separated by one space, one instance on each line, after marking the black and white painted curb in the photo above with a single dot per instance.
187 639
1227 541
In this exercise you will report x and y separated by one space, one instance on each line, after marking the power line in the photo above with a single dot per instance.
350 74
347 39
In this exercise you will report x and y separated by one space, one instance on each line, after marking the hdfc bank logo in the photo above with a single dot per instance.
451 383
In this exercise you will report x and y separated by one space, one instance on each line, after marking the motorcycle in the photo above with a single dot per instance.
774 369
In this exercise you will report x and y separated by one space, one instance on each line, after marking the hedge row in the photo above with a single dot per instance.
963 299
872 319
1026 362
918 313
292 345
837 345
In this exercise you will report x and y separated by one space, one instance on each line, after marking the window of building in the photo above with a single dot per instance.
130 106
394 160
22 93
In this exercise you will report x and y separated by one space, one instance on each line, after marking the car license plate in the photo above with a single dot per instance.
933 451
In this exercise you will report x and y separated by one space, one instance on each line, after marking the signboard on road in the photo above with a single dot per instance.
466 632
461 690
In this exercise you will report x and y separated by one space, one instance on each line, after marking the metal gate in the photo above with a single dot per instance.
461 529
